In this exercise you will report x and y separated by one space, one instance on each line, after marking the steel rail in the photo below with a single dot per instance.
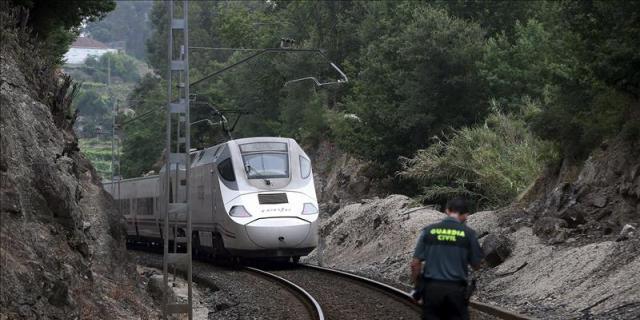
312 303
480 306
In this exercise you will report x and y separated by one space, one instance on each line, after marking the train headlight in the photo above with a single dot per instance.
239 212
309 208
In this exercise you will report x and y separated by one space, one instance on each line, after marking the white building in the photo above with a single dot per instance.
84 47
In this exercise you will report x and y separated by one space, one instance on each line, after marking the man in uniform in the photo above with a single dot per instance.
443 252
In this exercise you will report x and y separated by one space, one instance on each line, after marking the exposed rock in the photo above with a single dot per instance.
329 207
59 295
497 249
626 232
595 197
10 201
154 287
54 267
573 216
549 227
341 179
599 200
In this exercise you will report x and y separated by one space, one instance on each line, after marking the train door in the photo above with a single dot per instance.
134 207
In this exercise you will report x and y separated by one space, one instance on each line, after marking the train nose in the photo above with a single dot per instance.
274 233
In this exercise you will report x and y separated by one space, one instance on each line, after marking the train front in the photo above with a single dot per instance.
274 212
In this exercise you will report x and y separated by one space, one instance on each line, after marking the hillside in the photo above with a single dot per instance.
572 244
61 242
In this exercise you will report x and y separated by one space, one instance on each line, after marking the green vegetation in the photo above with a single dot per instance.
98 151
491 163
96 98
414 82
144 137
56 23
446 85
124 68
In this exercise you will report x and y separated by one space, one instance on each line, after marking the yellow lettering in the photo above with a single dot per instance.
447 232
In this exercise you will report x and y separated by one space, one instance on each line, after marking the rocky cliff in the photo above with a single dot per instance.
62 246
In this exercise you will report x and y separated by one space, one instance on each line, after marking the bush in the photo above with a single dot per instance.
123 67
491 163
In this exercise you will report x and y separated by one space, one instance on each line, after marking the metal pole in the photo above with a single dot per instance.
176 194
167 176
109 70
113 146
187 151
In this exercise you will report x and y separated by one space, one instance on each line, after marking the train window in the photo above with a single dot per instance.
225 168
144 206
123 205
266 165
263 146
305 167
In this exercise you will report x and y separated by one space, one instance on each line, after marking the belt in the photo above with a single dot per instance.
462 283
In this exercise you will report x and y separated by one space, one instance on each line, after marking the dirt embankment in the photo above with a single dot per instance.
61 243
375 237
598 280
571 245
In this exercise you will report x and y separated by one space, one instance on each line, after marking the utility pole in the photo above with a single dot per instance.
175 190
109 71
114 111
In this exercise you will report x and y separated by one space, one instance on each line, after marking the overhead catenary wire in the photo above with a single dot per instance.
260 52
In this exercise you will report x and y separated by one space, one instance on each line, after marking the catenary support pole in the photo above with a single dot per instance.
175 177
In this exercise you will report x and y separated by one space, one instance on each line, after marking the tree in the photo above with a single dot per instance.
128 23
123 67
578 61
609 32
57 22
417 80
143 137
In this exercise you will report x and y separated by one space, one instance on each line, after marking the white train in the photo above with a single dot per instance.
252 197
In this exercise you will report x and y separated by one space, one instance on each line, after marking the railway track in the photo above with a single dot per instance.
313 307
349 297
479 310
313 292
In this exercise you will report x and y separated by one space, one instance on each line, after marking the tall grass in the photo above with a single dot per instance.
98 151
491 163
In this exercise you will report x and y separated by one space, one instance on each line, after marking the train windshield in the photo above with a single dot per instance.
265 160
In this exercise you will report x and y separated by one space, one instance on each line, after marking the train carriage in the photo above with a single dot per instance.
252 197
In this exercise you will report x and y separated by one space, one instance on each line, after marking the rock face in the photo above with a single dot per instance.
595 200
61 243
341 179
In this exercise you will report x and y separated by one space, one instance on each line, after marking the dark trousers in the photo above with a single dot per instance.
444 300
